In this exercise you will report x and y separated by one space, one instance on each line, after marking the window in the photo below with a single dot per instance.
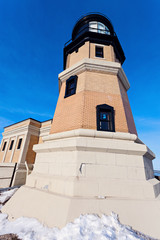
99 51
98 27
4 146
93 27
11 145
105 118
19 143
83 29
71 84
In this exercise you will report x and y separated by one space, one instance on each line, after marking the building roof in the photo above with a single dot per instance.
26 120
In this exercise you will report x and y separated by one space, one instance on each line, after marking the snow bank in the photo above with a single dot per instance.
4 196
86 227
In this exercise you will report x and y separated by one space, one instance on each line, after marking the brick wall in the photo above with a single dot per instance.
88 51
79 110
128 111
30 157
83 52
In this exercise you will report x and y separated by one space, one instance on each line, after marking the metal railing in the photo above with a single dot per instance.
89 29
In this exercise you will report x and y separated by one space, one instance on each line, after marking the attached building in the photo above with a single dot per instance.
16 153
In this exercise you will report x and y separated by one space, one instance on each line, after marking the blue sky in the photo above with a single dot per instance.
32 36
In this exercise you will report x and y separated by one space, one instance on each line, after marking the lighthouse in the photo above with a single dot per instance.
92 161
93 86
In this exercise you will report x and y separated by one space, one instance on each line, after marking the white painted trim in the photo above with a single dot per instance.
22 130
45 131
1 144
23 149
94 141
91 133
5 151
34 130
7 164
13 150
26 168
98 65
99 45
99 58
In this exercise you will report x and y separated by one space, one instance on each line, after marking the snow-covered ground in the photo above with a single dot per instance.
86 227
5 195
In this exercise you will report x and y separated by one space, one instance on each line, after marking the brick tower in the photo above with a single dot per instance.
93 84
92 161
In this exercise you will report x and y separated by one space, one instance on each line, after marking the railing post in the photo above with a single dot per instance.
13 175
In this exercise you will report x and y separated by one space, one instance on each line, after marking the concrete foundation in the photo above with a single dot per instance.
57 210
87 171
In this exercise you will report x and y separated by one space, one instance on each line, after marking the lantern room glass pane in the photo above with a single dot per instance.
98 27
101 28
93 26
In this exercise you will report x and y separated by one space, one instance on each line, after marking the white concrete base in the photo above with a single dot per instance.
56 210
86 171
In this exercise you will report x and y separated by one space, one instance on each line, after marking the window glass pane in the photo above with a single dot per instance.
105 126
11 145
19 143
107 30
72 91
83 29
101 28
104 116
71 87
93 26
98 27
71 84
99 51
4 146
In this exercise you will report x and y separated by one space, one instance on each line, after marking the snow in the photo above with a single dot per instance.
4 196
86 227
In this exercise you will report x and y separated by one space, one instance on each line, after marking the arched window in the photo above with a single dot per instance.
105 118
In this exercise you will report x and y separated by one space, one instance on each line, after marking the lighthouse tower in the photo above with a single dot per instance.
93 86
92 161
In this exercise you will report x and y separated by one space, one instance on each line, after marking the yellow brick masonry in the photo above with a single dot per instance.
30 157
79 110
88 51
128 111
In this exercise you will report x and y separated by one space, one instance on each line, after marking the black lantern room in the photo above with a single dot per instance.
95 28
